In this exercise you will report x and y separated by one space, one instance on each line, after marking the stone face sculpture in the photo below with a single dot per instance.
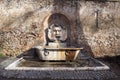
56 33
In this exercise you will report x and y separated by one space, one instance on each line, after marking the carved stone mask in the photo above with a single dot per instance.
57 32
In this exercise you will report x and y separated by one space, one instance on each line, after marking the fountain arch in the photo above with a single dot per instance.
61 20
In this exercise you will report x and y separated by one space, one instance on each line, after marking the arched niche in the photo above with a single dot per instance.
61 20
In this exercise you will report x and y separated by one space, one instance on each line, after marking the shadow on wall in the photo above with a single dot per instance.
30 54
80 36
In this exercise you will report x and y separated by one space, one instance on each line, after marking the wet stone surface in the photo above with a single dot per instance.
77 63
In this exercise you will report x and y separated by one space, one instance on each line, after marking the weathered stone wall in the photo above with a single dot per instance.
94 25
101 27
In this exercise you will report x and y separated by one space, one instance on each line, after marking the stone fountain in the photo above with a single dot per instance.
60 60
57 45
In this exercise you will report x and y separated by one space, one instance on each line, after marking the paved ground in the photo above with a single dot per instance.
112 74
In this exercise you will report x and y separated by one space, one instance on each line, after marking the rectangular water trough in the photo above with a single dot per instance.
85 64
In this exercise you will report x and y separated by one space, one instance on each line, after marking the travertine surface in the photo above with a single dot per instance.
93 25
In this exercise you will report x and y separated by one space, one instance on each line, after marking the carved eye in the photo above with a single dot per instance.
59 30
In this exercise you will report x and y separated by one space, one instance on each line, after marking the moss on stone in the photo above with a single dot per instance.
2 55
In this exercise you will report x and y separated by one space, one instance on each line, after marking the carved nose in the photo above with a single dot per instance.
57 32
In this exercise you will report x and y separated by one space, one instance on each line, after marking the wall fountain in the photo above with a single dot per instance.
53 28
57 40
57 45
58 50
58 58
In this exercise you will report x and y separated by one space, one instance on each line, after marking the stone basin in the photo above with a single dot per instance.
58 53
